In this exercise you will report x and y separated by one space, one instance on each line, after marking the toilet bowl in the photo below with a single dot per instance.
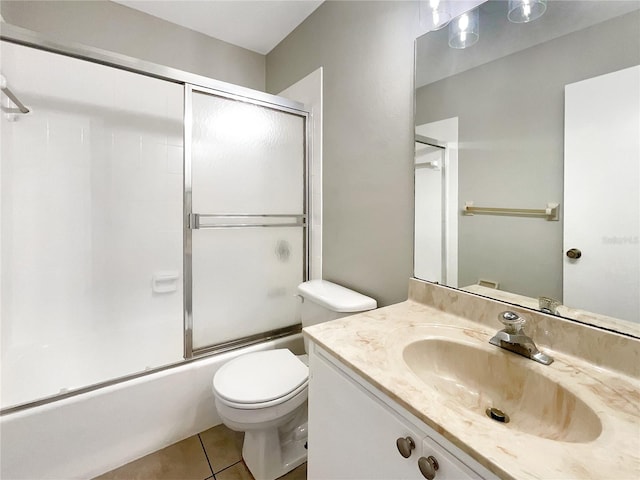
264 394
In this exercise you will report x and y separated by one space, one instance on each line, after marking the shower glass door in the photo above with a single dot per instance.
246 210
90 224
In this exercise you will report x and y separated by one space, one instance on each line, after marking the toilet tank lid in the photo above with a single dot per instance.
335 297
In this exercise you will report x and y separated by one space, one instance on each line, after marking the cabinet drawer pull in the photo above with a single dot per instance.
428 467
405 446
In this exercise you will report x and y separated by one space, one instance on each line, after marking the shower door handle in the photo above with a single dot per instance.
198 221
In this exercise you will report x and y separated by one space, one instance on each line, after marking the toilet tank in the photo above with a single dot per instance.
323 301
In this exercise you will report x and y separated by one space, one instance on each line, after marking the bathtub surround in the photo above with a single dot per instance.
84 130
603 383
141 415
103 149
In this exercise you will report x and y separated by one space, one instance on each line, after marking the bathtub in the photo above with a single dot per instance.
92 433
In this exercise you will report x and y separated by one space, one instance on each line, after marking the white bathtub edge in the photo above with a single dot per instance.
90 434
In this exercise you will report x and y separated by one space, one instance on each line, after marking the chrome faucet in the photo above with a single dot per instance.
548 305
513 338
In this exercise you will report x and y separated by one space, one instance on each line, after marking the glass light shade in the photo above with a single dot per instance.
440 15
464 30
524 11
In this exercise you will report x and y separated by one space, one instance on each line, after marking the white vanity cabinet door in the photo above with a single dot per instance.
353 435
353 428
450 468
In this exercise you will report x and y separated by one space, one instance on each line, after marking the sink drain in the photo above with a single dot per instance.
497 415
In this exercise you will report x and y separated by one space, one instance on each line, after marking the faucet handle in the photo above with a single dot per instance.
512 322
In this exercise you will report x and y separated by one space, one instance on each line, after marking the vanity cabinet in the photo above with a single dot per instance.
354 429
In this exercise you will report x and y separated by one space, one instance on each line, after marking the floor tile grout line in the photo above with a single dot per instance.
207 457
229 466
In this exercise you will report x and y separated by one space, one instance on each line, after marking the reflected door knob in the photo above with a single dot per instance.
428 467
405 446
574 253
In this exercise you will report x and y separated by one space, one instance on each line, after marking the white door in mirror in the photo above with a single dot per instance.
601 199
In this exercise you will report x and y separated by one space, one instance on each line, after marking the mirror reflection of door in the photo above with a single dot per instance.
602 202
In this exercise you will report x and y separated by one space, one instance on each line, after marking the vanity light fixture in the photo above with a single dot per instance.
440 15
464 30
524 11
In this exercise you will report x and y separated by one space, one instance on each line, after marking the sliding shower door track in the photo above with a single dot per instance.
247 341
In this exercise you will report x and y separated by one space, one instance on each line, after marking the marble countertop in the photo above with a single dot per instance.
372 344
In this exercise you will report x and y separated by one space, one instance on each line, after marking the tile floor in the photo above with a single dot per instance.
215 454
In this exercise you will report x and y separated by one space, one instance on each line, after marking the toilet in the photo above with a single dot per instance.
264 394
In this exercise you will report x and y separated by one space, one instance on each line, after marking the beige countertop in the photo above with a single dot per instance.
597 436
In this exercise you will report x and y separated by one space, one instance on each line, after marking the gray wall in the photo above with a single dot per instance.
120 29
366 49
511 132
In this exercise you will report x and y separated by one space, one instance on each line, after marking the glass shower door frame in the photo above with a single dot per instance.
21 36
193 221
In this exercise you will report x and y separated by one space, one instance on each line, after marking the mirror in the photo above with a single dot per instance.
528 160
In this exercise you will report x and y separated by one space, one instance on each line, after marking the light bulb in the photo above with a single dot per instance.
440 16
436 17
463 22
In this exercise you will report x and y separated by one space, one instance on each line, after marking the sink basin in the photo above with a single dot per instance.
476 378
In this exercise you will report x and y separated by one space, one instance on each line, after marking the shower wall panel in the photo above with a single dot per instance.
91 216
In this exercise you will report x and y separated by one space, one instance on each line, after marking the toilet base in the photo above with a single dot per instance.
272 452
268 463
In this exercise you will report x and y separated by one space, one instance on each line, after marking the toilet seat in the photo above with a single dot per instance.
260 379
